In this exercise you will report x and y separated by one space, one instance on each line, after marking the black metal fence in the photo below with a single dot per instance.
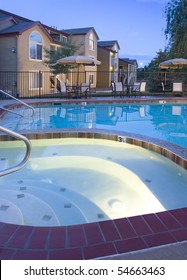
39 84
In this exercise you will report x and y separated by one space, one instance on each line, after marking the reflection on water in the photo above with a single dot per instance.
164 121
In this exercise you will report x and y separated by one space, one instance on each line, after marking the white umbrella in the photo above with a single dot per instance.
78 60
175 63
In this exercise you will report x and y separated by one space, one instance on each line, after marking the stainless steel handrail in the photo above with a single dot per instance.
11 96
27 155
5 109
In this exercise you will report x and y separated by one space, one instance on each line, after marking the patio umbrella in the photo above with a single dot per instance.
175 63
78 60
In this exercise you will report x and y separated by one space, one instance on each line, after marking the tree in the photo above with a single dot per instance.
51 57
160 57
176 26
175 32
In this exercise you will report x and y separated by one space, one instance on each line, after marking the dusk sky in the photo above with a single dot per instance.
137 25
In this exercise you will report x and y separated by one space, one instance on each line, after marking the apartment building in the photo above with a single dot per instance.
128 70
22 44
108 54
85 39
22 53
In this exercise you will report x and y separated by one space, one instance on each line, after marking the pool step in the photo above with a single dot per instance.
70 207
64 209
10 212
28 209
91 211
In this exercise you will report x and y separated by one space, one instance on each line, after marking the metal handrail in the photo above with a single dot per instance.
27 155
5 109
11 96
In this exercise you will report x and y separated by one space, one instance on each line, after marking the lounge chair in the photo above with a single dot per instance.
178 87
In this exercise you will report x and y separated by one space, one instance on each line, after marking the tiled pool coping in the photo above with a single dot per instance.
99 239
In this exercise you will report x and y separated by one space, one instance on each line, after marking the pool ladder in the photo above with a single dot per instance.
27 154
23 103
17 136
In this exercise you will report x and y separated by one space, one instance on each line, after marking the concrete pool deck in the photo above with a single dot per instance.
160 235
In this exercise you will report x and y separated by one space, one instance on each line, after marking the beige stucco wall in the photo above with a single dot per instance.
24 61
103 77
82 43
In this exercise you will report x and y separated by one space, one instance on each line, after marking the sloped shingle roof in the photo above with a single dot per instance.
16 17
6 18
108 44
18 28
79 31
128 60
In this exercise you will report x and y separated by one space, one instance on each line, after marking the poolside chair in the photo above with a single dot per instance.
85 90
138 89
165 89
134 89
118 88
142 88
72 91
61 86
113 88
69 91
178 87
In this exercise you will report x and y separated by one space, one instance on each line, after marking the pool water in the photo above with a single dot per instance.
164 121
74 181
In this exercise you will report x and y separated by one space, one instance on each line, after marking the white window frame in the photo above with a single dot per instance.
35 44
91 42
34 80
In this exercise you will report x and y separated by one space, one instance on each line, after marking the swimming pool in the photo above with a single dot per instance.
162 120
77 181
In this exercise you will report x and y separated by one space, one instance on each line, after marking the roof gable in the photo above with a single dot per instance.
22 27
80 31
16 17
108 44
128 61
4 19
6 22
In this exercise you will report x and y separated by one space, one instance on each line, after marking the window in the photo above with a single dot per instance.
91 42
35 80
91 79
36 44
